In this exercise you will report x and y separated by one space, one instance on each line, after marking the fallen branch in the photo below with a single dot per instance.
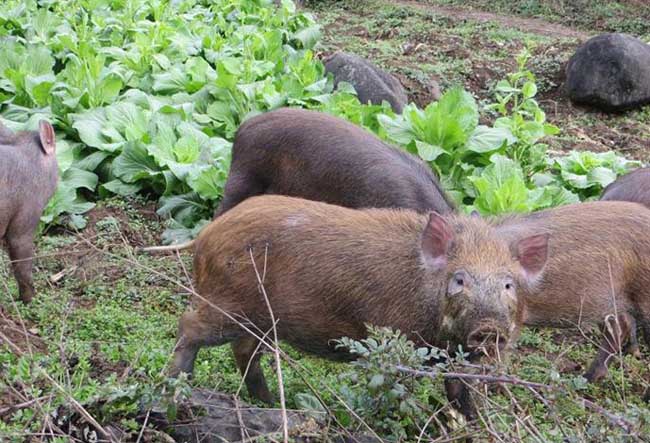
276 352
23 405
80 409
612 418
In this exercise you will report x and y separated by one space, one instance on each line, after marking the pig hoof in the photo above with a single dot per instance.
264 396
176 372
596 374
26 298
635 352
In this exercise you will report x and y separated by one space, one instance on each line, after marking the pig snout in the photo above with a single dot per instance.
489 339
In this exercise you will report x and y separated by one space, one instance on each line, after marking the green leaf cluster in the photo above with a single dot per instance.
503 168
376 390
146 97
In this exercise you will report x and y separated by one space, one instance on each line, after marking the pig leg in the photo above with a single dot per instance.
616 333
195 333
645 327
248 356
21 253
458 394
238 188
633 346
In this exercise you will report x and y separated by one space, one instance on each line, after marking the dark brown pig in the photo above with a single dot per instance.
631 187
28 178
329 271
319 157
315 156
598 271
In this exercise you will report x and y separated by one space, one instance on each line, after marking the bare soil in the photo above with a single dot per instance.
21 335
532 25
426 46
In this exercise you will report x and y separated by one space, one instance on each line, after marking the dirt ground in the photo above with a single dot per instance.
429 45
119 310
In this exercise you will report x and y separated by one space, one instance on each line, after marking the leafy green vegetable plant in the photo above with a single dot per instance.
503 168
588 173
147 96
520 113
447 135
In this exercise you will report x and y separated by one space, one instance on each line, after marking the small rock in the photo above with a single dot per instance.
610 72
371 83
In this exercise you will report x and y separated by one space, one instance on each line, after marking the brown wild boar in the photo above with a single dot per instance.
319 157
631 187
329 271
28 178
598 271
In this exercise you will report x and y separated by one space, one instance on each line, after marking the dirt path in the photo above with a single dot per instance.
532 25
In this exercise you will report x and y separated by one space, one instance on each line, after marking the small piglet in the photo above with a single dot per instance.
598 271
632 187
329 271
318 157
28 179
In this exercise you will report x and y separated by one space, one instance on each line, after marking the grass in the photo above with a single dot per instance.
422 45
630 16
105 330
110 324
105 333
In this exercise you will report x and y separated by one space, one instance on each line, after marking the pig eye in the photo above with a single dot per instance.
459 279
509 285
457 284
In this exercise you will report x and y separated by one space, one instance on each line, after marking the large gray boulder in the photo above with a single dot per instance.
610 72
371 83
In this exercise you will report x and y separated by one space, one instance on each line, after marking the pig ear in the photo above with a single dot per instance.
436 239
48 139
532 253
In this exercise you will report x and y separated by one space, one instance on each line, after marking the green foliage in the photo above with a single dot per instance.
520 113
66 203
588 173
147 98
376 390
397 405
504 168
149 94
447 135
